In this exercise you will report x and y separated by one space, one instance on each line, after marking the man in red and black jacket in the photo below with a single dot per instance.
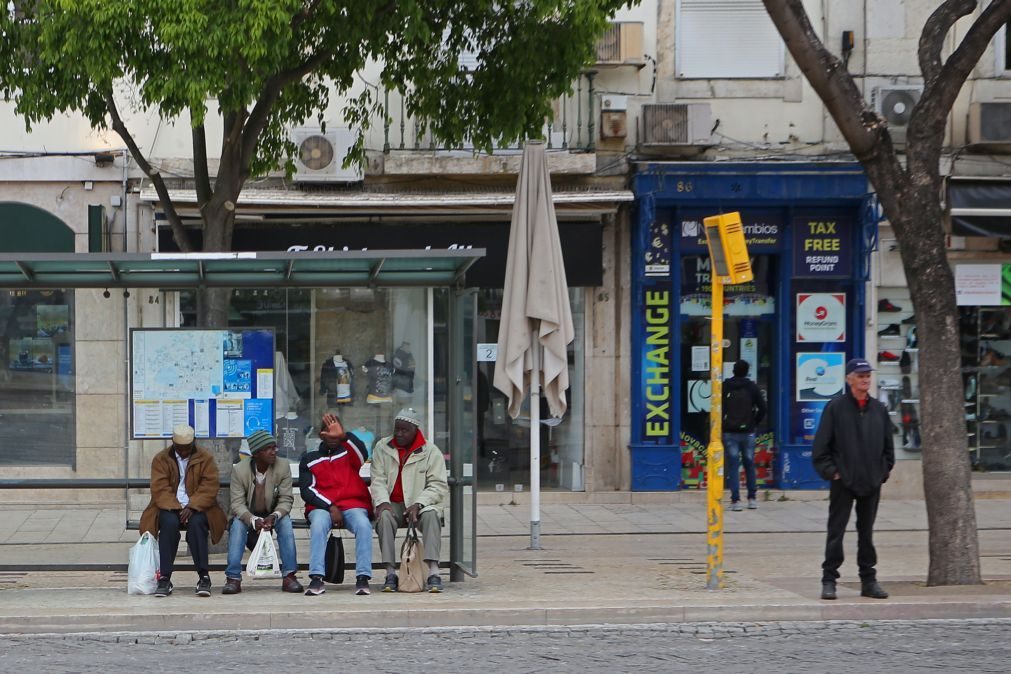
336 495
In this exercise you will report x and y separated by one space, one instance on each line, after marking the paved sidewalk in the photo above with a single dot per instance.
648 568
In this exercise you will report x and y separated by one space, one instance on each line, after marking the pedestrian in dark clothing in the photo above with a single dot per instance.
743 409
853 449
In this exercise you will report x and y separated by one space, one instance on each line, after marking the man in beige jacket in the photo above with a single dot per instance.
408 487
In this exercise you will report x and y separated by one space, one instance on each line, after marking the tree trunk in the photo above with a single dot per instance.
947 479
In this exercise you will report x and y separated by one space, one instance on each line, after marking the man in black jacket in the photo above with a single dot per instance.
743 409
853 449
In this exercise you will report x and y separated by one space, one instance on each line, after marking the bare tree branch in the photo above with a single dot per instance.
935 30
179 233
830 80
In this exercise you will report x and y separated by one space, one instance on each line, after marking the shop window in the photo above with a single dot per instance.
359 352
898 369
37 377
503 462
986 367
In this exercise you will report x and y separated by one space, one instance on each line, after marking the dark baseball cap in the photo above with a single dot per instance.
858 365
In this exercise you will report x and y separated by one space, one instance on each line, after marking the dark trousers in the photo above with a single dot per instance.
168 540
840 503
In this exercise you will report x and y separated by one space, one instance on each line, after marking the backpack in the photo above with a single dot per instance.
738 410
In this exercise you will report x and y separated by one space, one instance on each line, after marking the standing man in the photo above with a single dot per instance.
335 495
261 501
410 487
853 448
184 495
743 409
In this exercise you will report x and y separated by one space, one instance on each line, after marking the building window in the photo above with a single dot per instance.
728 39
37 377
1002 51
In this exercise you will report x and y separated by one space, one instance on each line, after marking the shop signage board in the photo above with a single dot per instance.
983 285
822 247
220 382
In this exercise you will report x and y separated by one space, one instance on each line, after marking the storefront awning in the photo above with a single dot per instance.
231 270
980 206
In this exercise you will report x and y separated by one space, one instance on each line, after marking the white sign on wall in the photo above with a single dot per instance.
977 285
821 317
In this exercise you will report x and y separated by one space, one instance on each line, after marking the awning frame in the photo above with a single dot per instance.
176 271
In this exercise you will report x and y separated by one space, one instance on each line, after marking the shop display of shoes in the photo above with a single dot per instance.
890 331
886 306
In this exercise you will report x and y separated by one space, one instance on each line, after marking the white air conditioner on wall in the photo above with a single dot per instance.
676 124
990 123
621 44
319 156
895 104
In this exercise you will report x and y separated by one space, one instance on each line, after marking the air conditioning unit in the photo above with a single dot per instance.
895 104
621 45
990 123
671 124
320 155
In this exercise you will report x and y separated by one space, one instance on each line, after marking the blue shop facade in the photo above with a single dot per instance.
810 230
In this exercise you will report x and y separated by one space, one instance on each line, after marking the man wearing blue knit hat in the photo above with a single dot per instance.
261 499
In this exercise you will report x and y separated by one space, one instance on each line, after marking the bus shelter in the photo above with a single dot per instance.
361 332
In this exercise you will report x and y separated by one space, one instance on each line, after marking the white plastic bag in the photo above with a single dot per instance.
263 560
142 575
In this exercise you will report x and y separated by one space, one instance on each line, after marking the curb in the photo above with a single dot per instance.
558 616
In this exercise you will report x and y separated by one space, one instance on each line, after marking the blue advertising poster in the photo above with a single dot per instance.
238 376
819 378
258 414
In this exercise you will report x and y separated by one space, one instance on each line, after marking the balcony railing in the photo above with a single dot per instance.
572 128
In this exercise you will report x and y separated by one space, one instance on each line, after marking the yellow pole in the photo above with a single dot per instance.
714 452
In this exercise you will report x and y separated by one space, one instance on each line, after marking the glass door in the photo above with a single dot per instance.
462 404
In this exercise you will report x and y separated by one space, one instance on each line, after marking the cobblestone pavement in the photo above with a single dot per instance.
836 646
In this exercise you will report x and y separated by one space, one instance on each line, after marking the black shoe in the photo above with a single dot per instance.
828 589
910 320
434 583
392 583
204 586
164 588
316 586
905 363
887 306
890 331
873 590
362 585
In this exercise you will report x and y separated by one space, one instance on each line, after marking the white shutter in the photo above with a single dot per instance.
726 39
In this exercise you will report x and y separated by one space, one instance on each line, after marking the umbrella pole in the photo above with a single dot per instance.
535 446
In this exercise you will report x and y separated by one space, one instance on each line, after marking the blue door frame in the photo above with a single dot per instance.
793 190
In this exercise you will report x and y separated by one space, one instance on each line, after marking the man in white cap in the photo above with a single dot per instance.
408 487
184 495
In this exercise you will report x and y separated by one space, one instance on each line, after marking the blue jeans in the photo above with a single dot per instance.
356 520
238 535
738 446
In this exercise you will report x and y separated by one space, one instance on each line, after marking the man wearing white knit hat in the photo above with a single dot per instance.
409 486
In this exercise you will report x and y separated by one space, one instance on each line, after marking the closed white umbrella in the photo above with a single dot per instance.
536 325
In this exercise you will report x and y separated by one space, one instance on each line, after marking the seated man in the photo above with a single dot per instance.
335 495
261 500
409 485
184 495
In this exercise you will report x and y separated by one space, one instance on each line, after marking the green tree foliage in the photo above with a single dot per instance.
259 67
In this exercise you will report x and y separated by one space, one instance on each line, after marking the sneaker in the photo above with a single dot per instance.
316 586
434 583
905 363
828 589
164 588
873 590
232 586
910 320
890 331
752 504
887 306
290 584
736 506
204 586
888 357
362 585
911 341
392 583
